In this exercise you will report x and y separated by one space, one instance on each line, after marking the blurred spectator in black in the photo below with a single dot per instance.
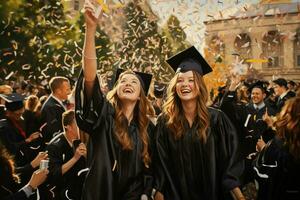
271 99
282 93
159 91
218 99
12 133
248 120
67 160
30 115
277 166
53 108
10 187
291 86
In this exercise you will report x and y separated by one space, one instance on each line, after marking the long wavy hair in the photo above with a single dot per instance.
142 110
173 111
7 167
288 126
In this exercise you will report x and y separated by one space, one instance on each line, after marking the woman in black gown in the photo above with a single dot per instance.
196 145
118 149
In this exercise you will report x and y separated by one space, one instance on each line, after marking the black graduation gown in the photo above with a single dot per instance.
115 174
248 121
250 126
281 101
51 115
31 122
15 143
69 185
189 169
277 173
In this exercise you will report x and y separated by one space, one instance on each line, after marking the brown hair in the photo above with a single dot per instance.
142 109
173 110
68 117
56 82
7 164
32 102
288 125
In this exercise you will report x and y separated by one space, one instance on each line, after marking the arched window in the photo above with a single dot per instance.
297 49
272 49
242 46
217 48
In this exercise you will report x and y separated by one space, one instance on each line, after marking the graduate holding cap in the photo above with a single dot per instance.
196 145
118 150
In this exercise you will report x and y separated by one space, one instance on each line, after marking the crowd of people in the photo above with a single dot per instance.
146 140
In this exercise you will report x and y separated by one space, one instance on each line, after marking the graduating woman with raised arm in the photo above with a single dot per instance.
118 150
196 145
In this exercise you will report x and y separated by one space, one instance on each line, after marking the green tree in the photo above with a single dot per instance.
175 34
38 41
143 48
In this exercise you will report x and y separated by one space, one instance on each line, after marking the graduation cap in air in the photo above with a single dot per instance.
259 84
13 101
144 78
189 59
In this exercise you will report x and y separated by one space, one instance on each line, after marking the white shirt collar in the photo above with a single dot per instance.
259 106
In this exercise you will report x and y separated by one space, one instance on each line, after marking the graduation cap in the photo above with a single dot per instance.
259 84
189 59
159 89
13 101
144 78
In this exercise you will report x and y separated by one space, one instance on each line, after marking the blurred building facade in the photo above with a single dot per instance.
266 37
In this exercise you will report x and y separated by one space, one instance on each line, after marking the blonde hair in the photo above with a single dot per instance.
173 110
288 125
141 110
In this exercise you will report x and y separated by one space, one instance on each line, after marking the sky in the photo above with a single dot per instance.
192 14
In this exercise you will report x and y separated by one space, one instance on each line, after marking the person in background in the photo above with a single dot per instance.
30 115
291 86
12 133
10 188
159 91
250 125
196 145
67 158
282 93
52 109
278 163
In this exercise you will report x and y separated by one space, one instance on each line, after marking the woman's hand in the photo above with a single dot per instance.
90 13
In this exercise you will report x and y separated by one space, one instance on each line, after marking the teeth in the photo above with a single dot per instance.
127 90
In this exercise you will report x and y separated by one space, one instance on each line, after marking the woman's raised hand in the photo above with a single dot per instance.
92 12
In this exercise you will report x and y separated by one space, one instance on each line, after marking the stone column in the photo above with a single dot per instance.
288 48
228 38
256 36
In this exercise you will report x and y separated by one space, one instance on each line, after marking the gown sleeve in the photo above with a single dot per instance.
161 161
228 159
89 112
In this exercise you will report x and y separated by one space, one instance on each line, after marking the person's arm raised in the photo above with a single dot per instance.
89 52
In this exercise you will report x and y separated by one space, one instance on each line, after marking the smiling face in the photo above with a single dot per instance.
257 95
186 88
129 87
